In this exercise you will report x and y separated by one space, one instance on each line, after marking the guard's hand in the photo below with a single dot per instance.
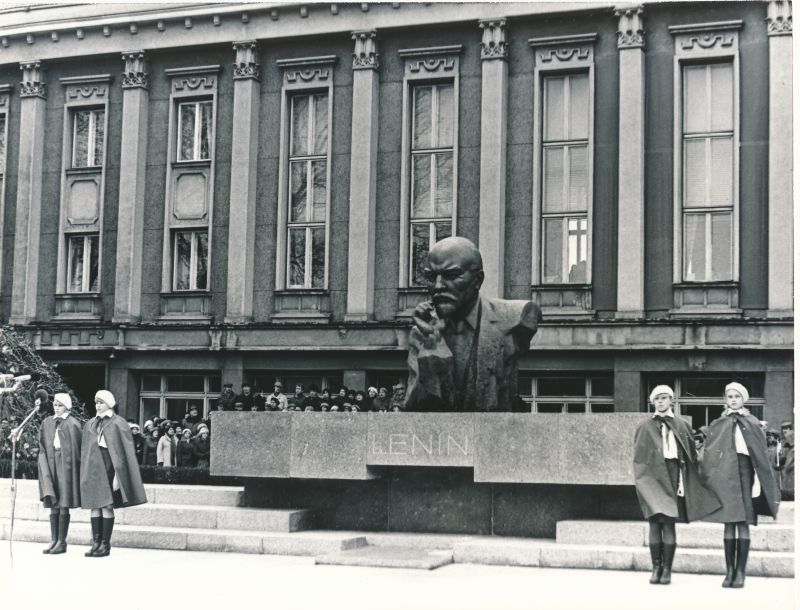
115 483
425 318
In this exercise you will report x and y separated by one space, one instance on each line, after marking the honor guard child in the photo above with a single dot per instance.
109 475
668 484
736 466
59 470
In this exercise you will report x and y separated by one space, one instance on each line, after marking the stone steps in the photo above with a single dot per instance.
388 557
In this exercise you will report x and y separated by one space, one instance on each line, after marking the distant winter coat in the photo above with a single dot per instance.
787 469
202 451
149 451
720 468
95 488
184 453
165 454
59 479
653 486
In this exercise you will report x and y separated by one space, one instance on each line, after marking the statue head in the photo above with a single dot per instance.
454 274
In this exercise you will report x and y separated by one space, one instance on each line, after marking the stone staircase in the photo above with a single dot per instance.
212 518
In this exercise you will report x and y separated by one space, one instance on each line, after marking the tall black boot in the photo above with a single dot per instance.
105 541
669 555
63 529
655 556
730 560
742 551
53 533
97 533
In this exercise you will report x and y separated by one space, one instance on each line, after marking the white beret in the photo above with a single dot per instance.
107 397
661 389
64 399
739 388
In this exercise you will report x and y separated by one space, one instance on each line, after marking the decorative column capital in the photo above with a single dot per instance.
493 44
779 18
134 76
246 67
630 33
365 51
32 85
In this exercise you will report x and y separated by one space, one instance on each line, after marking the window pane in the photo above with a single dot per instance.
318 258
694 248
721 247
2 141
151 383
201 281
553 179
552 251
81 136
561 386
183 257
576 240
695 173
421 186
602 408
321 124
721 192
704 386
320 186
420 238
554 108
94 275
297 207
549 407
576 407
99 130
297 257
422 118
579 107
214 383
76 264
151 407
602 386
695 100
205 130
185 383
444 185
299 134
186 136
578 178
722 97
443 229
177 408
444 121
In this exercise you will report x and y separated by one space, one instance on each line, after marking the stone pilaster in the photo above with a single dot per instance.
781 260
242 210
131 201
630 223
494 117
33 94
363 172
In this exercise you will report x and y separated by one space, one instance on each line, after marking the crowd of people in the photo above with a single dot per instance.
168 443
340 400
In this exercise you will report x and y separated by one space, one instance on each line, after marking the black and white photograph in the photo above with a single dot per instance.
397 305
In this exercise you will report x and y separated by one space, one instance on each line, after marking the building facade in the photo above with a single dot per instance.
199 194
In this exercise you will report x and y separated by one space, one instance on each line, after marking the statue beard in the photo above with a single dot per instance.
448 307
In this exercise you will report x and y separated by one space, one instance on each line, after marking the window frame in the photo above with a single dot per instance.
85 282
197 144
193 259
588 399
303 76
720 44
91 143
423 67
162 394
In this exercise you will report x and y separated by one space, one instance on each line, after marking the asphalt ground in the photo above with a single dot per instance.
146 579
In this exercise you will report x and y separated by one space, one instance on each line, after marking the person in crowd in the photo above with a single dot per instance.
148 425
110 476
201 447
274 404
298 401
260 400
254 408
5 441
238 405
184 452
736 467
313 399
309 409
398 397
246 397
351 396
381 401
369 400
324 407
786 460
668 484
340 398
773 452
360 401
227 397
59 464
166 451
138 440
150 449
277 392
325 396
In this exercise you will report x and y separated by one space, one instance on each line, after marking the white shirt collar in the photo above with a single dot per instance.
667 413
64 416
742 411
107 413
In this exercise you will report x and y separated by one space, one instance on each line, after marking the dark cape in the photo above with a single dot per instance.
653 486
59 479
95 489
720 468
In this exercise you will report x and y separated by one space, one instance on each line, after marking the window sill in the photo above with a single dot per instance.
79 306
186 305
567 300
698 299
80 171
192 163
408 299
302 305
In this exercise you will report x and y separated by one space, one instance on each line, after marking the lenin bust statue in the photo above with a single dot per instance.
463 348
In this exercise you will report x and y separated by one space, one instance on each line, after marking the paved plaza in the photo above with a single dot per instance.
137 578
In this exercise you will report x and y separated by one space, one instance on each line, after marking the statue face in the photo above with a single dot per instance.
453 281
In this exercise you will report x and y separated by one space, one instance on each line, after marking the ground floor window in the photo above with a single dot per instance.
386 379
170 396
567 393
262 381
701 397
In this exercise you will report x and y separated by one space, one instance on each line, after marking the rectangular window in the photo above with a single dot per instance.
308 191
194 130
566 178
88 127
567 393
190 260
83 263
170 396
708 171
